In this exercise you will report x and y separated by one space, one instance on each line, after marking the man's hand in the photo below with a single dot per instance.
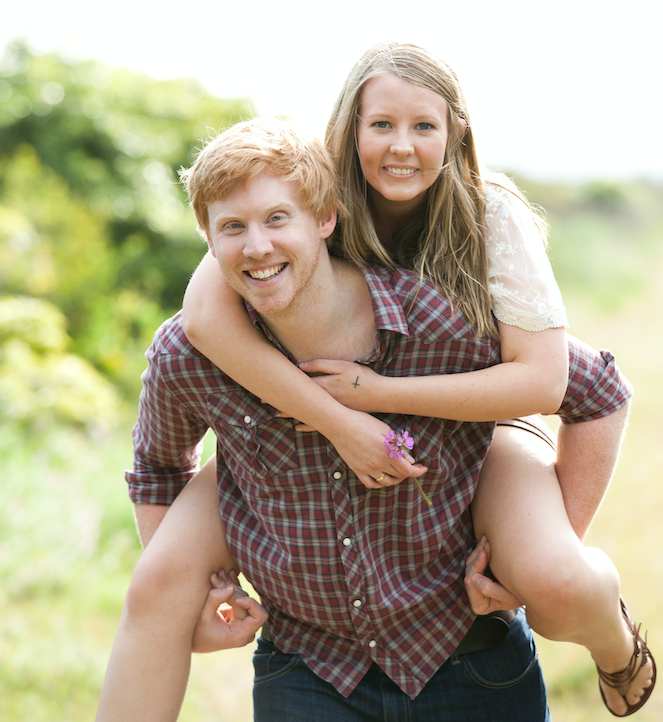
485 595
231 626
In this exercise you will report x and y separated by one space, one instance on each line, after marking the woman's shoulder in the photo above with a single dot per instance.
509 218
503 196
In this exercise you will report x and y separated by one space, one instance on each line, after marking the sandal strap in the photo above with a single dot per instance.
621 681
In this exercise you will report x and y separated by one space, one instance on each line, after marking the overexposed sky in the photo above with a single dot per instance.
564 90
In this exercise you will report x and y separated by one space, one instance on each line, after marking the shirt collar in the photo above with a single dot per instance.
387 309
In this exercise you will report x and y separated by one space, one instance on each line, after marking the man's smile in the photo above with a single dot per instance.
264 273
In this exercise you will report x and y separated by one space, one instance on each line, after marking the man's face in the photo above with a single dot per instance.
267 243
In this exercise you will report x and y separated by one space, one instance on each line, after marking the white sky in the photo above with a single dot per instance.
566 90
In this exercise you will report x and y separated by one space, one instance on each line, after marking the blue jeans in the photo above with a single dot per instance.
503 684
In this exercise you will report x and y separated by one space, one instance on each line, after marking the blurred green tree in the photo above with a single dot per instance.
92 217
40 382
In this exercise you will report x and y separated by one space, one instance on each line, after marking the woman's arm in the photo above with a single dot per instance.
217 324
531 379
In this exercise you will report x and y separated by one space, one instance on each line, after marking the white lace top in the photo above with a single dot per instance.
523 288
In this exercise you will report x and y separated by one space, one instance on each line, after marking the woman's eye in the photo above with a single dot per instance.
382 124
276 218
425 126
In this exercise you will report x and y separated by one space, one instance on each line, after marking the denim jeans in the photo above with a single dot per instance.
503 684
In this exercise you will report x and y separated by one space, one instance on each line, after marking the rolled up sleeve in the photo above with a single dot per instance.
596 386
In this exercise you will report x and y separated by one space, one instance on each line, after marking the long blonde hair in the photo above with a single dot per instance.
446 241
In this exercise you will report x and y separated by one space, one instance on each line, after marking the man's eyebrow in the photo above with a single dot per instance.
220 220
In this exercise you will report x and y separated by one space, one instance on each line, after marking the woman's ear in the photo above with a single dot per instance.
462 127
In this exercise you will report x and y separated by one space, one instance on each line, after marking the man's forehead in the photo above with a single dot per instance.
264 191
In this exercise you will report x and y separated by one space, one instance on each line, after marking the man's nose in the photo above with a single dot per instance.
257 243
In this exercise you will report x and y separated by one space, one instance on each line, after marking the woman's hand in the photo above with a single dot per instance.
354 385
359 438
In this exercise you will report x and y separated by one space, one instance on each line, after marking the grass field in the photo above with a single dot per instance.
67 548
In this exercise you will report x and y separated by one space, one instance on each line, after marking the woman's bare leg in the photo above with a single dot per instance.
151 656
571 591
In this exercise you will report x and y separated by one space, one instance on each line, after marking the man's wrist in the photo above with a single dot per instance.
148 517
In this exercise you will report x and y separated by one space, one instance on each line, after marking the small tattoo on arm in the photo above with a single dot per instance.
356 383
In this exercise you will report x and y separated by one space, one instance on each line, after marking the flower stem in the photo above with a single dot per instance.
428 501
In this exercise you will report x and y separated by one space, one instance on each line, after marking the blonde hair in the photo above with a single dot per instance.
245 150
446 241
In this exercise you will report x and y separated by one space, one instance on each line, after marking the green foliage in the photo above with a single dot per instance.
92 217
604 236
67 548
40 383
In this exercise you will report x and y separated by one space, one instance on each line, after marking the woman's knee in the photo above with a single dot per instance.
162 586
564 579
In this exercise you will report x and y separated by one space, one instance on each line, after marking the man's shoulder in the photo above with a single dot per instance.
172 352
402 284
426 309
170 338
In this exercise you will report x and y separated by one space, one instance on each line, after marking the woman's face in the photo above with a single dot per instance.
401 138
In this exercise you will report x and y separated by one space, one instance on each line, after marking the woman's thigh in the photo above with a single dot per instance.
519 507
190 543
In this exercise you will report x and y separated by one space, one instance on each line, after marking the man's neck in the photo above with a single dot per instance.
334 321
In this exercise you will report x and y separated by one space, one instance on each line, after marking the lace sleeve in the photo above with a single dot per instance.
523 288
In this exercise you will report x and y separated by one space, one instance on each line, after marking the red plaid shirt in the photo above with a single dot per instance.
349 575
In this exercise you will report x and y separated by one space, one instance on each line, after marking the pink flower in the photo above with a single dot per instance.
397 443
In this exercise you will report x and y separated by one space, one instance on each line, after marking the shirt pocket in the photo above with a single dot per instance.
253 440
431 437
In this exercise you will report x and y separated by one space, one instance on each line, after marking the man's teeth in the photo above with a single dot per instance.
402 171
267 272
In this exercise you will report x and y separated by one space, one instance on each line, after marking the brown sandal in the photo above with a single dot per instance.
621 681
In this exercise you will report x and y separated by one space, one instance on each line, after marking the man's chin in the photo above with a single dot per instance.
268 307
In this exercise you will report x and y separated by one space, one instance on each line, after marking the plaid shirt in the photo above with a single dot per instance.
349 576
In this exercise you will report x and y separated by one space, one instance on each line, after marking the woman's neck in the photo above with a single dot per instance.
390 217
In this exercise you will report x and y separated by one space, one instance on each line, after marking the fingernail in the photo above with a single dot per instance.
303 365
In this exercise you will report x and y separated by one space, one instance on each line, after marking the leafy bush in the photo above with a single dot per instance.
40 383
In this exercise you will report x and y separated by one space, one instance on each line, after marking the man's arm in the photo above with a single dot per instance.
587 454
148 517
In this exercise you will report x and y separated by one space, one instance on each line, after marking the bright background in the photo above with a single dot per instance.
567 90
565 95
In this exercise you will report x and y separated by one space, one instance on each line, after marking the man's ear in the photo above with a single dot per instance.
210 245
328 224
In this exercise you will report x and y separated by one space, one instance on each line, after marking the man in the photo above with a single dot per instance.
364 587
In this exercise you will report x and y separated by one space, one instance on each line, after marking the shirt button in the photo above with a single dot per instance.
372 644
347 542
247 419
356 603
337 475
